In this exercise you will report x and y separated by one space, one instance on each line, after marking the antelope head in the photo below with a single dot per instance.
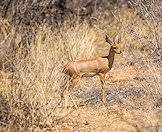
115 44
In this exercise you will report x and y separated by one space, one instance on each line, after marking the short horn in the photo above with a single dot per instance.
108 40
117 38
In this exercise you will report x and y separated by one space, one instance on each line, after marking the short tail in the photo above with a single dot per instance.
65 69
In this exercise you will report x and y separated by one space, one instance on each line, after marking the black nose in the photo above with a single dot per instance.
119 52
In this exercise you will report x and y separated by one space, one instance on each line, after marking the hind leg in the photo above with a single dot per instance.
63 90
72 82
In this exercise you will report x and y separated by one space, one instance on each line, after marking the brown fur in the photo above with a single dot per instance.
99 66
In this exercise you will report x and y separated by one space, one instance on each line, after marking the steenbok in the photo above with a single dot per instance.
99 66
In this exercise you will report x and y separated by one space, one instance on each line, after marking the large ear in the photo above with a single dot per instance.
108 40
117 38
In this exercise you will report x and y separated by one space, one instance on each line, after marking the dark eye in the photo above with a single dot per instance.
115 48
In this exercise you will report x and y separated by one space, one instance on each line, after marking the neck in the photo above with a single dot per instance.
110 57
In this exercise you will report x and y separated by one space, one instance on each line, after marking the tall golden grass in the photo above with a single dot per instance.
29 96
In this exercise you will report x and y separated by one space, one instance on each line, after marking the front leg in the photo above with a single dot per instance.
102 79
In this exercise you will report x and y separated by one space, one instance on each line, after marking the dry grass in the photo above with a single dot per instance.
29 96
